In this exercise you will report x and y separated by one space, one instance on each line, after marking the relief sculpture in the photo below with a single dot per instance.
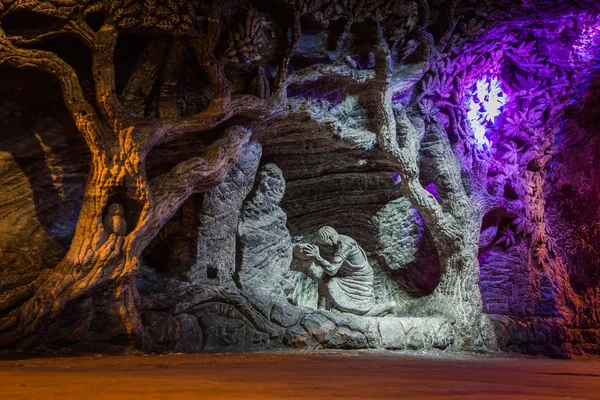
346 282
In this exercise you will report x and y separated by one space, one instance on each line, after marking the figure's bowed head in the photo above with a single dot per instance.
327 237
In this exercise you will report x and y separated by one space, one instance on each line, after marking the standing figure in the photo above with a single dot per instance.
114 220
347 283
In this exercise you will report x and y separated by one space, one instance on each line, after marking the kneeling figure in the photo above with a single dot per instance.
346 283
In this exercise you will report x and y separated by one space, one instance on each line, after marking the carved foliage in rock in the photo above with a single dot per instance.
540 73
166 15
544 86
360 10
351 10
403 14
246 41
53 8
307 7
176 16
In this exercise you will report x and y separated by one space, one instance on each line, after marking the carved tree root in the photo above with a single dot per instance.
255 315
71 281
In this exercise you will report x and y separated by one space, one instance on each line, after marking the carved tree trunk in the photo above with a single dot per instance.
453 220
96 259
457 295
99 269
104 264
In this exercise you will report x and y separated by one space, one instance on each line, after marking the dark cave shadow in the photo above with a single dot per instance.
33 104
23 117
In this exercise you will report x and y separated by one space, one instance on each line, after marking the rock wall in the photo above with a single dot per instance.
218 220
234 267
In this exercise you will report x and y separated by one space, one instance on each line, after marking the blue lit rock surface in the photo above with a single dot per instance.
224 318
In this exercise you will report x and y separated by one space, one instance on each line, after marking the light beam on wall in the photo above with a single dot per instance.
485 103
584 46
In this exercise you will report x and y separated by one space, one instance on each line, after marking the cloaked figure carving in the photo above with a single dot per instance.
260 85
114 220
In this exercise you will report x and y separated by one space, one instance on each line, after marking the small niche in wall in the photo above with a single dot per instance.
212 272
130 208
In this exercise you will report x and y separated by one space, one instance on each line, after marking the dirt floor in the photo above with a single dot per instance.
298 375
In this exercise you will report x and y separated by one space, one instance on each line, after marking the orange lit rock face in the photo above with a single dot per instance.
143 213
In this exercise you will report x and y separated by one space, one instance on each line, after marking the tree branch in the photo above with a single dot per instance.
441 224
195 175
215 68
424 12
81 111
280 80
335 72
142 79
169 131
75 27
451 25
437 152
104 77
389 127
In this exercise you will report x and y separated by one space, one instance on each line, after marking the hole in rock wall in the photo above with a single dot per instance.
510 193
212 272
